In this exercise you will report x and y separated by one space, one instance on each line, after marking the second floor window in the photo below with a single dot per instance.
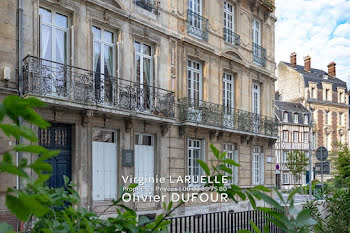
256 32
295 136
194 81
53 36
340 118
103 51
228 92
326 116
306 137
285 136
256 98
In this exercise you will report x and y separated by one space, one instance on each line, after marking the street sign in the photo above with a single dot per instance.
325 170
277 167
321 153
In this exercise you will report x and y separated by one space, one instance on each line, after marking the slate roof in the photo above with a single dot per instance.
317 76
291 108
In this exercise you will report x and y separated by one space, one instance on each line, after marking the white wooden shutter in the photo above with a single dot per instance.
262 168
235 170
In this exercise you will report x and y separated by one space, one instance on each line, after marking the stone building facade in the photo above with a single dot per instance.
324 93
143 88
293 135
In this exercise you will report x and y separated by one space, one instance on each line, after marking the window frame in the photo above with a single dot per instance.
296 133
296 118
228 101
285 116
190 91
231 152
192 162
285 136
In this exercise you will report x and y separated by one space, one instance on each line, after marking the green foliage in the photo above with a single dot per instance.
45 209
341 160
297 163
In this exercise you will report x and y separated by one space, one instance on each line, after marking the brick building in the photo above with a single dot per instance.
143 87
326 94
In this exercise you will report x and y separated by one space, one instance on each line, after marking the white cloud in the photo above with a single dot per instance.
319 28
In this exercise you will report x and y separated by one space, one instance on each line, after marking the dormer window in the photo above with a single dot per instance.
285 116
313 96
296 117
306 119
327 96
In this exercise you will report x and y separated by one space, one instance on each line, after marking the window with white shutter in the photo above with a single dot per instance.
104 165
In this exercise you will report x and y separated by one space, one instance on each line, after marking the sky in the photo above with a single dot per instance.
319 28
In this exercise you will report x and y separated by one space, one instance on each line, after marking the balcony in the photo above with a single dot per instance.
231 37
197 25
259 55
270 4
217 116
149 5
69 84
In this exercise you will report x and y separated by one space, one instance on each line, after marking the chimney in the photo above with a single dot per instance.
293 59
307 63
331 69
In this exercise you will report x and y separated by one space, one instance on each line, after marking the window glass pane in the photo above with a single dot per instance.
97 57
45 15
46 42
103 136
137 46
146 49
97 32
147 71
61 45
138 69
108 36
147 140
108 60
61 20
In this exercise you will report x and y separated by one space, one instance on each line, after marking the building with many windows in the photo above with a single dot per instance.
324 93
293 130
143 88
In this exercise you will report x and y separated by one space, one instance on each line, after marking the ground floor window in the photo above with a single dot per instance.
195 151
232 153
257 166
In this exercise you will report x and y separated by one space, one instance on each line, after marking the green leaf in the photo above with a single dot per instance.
17 207
30 148
225 169
262 188
18 131
267 199
39 166
231 162
223 155
304 219
215 151
12 169
7 157
5 228
252 200
170 205
204 166
255 227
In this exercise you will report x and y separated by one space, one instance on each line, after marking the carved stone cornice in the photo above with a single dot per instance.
182 130
85 117
164 129
129 123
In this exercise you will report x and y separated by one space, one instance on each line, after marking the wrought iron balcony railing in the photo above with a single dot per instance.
197 25
150 5
231 37
259 54
46 78
205 113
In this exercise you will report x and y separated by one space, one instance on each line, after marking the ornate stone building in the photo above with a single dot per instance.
326 94
143 88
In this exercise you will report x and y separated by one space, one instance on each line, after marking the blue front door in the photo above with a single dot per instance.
307 177
58 137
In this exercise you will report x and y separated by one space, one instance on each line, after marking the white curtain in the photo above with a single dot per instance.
60 41
45 38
